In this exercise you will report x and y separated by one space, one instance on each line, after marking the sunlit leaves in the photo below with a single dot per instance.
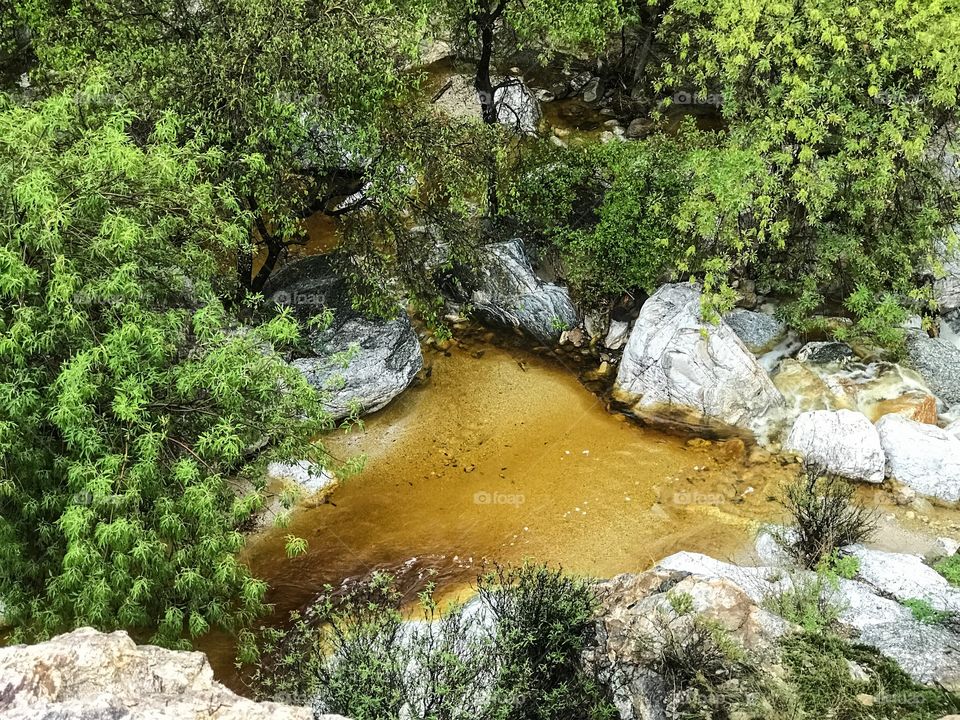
134 418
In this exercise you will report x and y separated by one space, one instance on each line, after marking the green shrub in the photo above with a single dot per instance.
543 620
950 569
809 602
825 518
818 670
516 654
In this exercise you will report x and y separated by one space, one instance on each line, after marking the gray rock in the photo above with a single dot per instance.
938 362
678 371
511 295
596 323
760 332
904 577
517 107
946 286
592 90
617 334
923 457
638 128
928 653
89 675
310 476
822 353
359 362
632 605
842 442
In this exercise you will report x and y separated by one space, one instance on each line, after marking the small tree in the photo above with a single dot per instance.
825 517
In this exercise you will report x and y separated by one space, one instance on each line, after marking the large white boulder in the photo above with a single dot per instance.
905 577
517 108
923 457
679 370
841 442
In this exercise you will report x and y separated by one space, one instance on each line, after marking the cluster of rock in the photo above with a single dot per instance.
742 600
89 675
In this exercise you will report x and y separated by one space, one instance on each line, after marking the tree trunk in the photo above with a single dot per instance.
483 83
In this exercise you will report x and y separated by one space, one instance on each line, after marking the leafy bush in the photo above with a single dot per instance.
543 622
515 653
135 418
847 105
825 518
621 216
356 656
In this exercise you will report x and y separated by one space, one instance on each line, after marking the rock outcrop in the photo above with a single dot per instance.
679 371
632 607
930 654
89 675
842 442
360 363
923 457
511 295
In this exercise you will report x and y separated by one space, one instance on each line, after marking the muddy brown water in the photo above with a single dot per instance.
500 456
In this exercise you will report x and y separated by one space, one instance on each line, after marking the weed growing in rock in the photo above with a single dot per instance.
809 601
826 517
926 613
950 569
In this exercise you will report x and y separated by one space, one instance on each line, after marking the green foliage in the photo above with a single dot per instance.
310 102
841 566
355 656
514 654
926 613
134 419
543 622
809 600
949 567
625 217
847 105
819 673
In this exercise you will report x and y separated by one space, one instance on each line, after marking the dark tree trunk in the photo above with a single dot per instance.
274 250
483 82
